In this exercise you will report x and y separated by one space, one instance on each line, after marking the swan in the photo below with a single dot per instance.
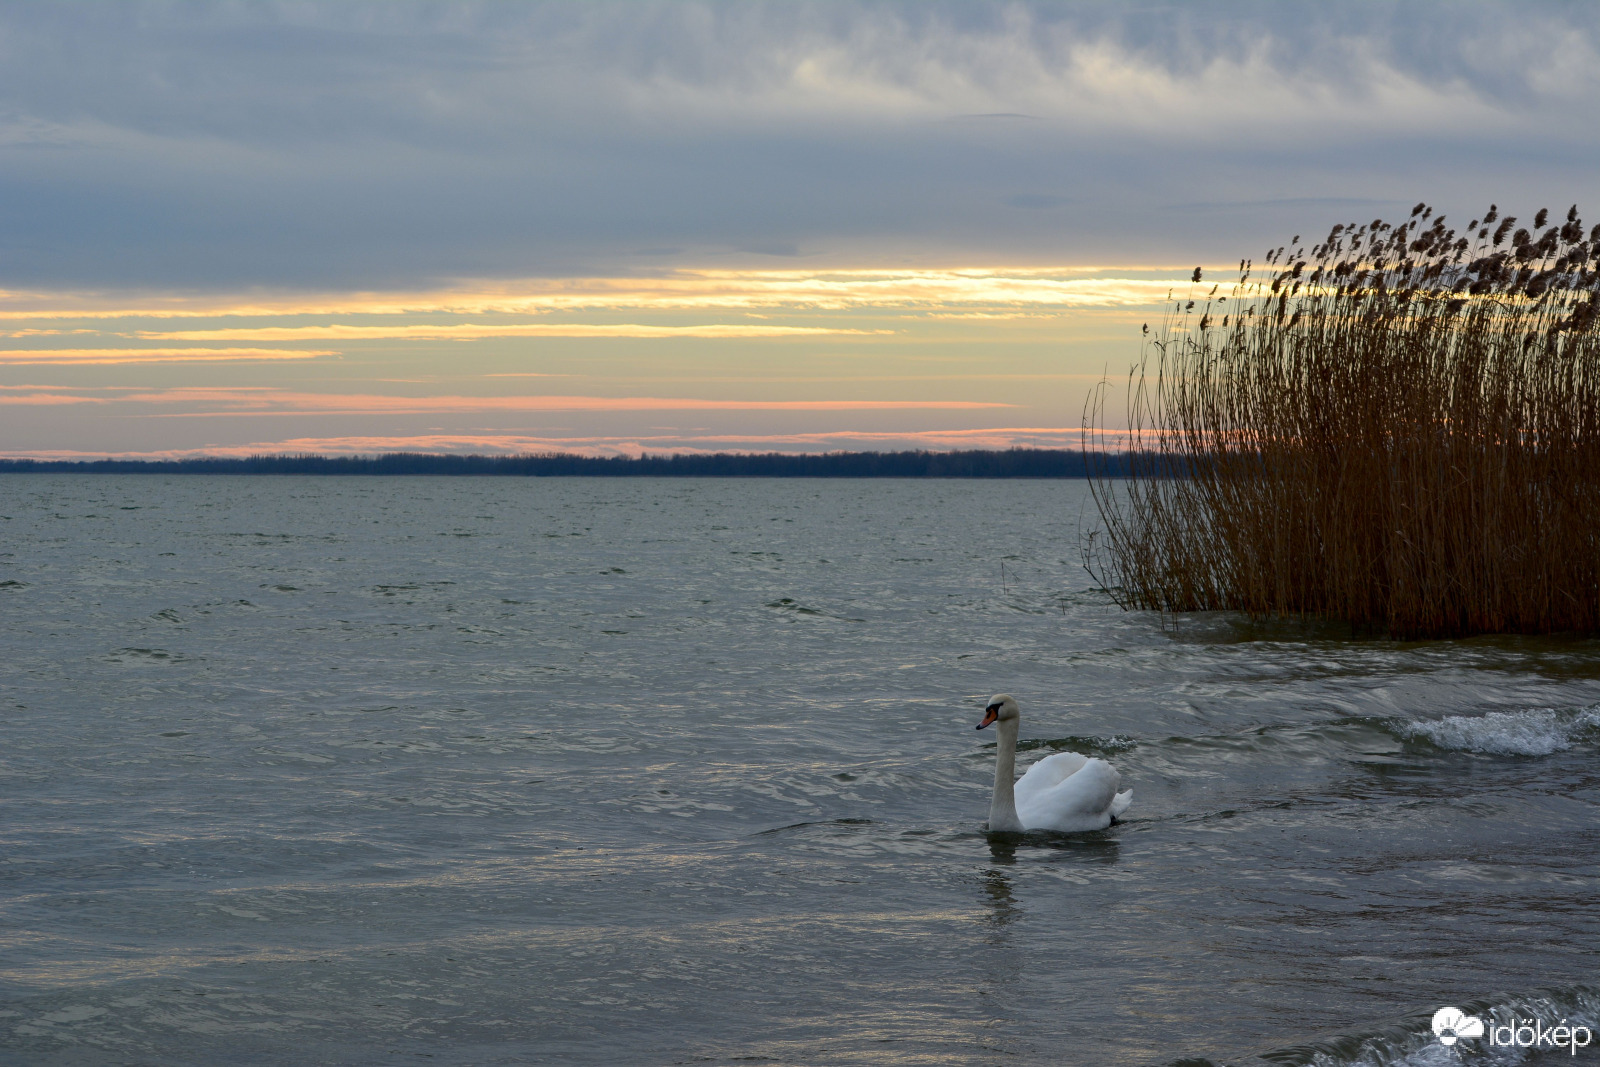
1066 792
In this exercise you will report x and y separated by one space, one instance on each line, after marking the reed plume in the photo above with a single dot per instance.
1398 427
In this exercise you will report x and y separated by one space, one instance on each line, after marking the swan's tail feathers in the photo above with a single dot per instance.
1121 802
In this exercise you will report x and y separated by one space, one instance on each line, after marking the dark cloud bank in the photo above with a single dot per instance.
356 145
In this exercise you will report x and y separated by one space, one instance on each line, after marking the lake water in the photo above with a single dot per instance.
570 771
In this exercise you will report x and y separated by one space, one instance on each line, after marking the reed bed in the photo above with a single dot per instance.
1398 427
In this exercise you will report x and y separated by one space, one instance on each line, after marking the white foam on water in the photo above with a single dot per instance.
1578 1007
1431 1054
1536 732
1382 1054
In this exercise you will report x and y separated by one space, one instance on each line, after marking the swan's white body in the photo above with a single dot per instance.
1067 792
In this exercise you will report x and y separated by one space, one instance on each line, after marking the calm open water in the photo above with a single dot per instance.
505 771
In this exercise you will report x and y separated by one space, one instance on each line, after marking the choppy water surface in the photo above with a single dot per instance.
651 772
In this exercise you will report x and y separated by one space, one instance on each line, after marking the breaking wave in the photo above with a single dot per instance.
1535 732
1413 1044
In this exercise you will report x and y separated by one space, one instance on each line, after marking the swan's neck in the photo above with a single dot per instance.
1003 806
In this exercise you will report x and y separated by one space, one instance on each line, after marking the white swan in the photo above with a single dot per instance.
1066 792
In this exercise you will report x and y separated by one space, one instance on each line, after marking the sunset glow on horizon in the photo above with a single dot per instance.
763 359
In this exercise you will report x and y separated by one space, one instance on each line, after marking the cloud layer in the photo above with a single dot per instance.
376 144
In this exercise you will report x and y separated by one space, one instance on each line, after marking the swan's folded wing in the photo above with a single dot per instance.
1047 774
1081 801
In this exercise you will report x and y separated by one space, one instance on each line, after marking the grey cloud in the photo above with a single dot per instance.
1036 201
787 249
391 143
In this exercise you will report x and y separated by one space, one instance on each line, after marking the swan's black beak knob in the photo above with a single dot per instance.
990 714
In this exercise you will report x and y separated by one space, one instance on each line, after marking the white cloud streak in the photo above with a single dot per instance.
978 292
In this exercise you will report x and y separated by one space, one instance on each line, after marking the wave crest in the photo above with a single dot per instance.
1413 1043
1535 732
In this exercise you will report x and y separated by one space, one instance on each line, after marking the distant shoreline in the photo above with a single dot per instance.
1010 463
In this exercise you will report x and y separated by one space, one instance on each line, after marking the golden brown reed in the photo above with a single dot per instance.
1398 427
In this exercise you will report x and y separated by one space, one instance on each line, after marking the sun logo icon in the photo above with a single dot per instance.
1452 1024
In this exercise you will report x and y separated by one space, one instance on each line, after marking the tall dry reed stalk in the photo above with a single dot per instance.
1398 427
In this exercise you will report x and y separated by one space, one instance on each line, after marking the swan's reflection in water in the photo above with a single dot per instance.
1012 931
1000 958
1098 849
1003 907
1010 922
1003 848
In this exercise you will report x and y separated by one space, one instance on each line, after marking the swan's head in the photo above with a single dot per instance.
1001 708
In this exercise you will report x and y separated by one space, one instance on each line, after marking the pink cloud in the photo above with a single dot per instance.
33 399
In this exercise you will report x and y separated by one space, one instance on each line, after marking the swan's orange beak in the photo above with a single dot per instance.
990 714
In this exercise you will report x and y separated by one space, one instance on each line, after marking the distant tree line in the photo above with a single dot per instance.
1011 463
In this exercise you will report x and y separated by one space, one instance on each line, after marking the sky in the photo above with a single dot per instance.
614 227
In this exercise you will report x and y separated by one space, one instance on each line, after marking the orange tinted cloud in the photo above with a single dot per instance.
35 399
